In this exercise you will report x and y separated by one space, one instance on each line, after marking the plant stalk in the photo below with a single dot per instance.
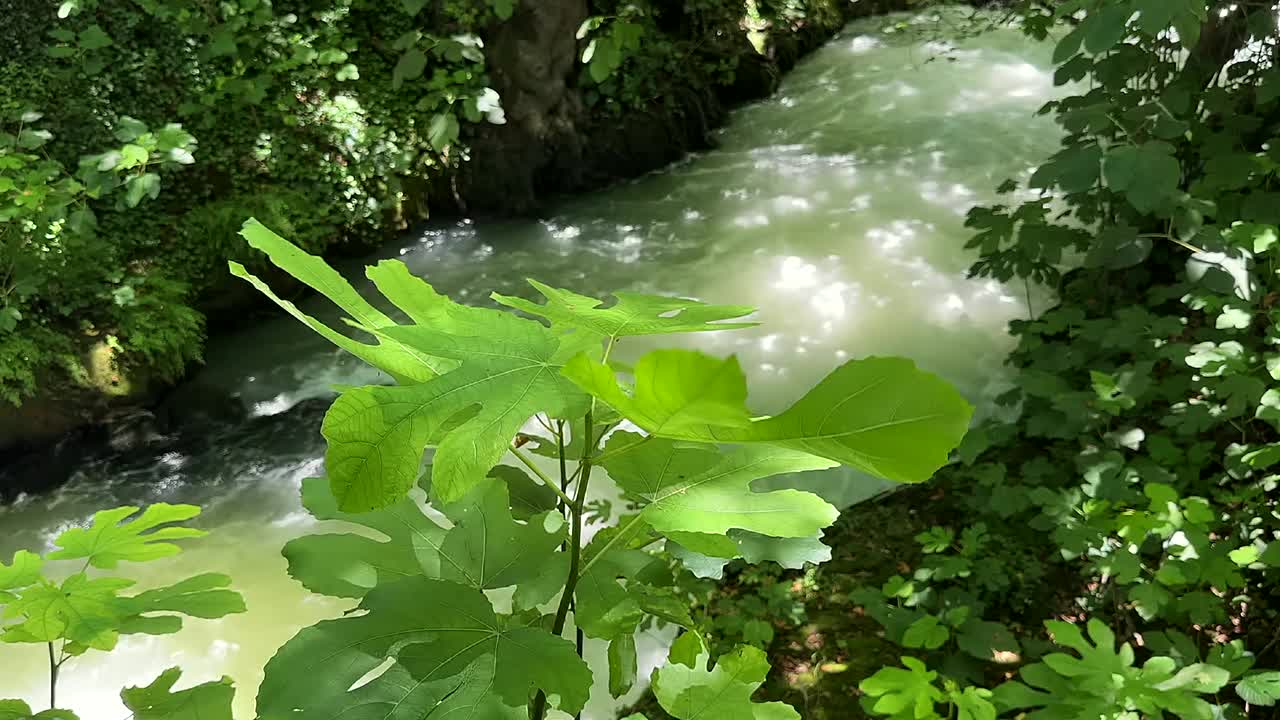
539 709
53 679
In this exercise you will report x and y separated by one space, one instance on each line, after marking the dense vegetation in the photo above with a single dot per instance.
1106 547
136 136
1109 548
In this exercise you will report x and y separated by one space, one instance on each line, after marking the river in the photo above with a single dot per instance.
836 207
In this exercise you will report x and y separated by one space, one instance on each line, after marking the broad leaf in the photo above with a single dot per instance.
880 415
348 565
158 701
695 489
721 693
633 314
1146 174
109 539
396 695
510 373
486 548
1260 688
435 630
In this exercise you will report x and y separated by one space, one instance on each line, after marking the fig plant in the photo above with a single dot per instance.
482 561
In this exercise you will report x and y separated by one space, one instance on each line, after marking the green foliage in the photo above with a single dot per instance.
52 251
721 693
1132 492
470 382
157 701
82 612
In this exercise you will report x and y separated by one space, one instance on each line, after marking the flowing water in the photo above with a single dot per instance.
836 207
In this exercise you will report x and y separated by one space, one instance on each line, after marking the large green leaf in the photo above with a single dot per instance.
23 571
435 630
1146 174
349 565
389 356
633 314
109 540
158 701
678 393
689 488
396 695
486 548
509 371
880 415
722 693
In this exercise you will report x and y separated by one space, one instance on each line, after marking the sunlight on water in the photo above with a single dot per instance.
835 207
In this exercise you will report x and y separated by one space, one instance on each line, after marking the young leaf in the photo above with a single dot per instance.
631 315
880 415
435 630
722 693
910 692
973 704
157 701
692 489
109 540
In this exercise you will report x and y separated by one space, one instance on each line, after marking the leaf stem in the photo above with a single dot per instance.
53 679
539 709
528 462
